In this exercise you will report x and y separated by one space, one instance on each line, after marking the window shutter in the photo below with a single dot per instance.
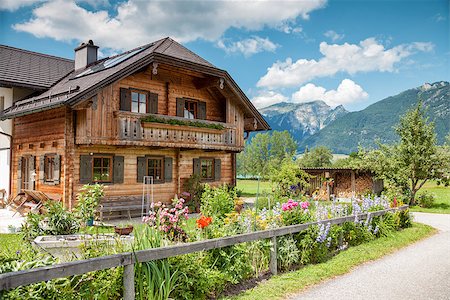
31 168
152 103
141 168
217 169
19 174
201 110
168 166
125 101
57 169
196 166
118 169
41 168
85 169
180 107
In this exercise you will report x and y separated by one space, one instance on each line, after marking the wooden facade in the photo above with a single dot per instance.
98 128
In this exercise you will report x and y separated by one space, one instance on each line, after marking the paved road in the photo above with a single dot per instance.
420 271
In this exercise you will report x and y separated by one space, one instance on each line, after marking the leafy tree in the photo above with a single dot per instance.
320 156
289 179
265 151
415 159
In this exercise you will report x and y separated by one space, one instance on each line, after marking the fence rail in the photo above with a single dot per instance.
15 279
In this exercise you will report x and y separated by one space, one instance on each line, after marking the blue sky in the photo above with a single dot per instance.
352 53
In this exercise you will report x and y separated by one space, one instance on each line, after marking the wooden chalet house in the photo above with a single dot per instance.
158 110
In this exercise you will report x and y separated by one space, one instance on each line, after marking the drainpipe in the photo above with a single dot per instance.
10 159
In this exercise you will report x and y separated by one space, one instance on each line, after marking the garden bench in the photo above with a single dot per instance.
114 207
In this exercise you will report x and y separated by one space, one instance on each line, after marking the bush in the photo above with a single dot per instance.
425 199
290 180
88 201
194 189
217 202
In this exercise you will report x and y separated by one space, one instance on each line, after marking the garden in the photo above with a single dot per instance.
205 274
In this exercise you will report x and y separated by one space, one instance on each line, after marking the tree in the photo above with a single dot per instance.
415 159
320 156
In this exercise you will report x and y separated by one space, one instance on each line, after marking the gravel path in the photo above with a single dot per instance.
419 271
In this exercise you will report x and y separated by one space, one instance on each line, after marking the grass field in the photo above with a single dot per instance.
249 187
278 287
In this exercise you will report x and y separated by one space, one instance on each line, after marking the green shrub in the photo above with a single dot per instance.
425 199
287 252
193 190
289 179
217 202
88 200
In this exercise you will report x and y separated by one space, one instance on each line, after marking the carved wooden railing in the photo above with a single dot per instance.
131 128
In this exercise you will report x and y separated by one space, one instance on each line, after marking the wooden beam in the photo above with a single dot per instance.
201 83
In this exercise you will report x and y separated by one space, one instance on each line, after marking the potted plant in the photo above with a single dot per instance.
88 201
123 229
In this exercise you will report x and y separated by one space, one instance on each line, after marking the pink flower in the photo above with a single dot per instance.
305 205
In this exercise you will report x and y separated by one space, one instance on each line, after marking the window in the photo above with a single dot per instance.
49 168
207 168
190 109
2 103
155 168
138 102
102 169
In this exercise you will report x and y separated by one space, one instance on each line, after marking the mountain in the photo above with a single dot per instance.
301 119
377 120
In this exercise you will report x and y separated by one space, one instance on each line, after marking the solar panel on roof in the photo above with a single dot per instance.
110 62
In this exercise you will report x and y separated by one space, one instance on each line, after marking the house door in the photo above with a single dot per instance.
27 172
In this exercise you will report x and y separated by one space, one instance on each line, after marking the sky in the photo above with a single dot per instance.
344 52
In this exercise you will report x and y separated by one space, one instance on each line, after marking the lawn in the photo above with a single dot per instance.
442 203
249 187
278 287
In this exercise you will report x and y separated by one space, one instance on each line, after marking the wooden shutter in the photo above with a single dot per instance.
152 103
118 169
125 101
141 168
197 166
201 110
180 107
57 169
168 167
85 169
31 168
217 169
41 168
19 174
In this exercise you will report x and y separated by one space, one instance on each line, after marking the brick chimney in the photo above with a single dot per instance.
85 54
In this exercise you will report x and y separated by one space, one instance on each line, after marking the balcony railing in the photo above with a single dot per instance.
131 128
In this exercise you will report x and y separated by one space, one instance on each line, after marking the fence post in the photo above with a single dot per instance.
273 256
128 282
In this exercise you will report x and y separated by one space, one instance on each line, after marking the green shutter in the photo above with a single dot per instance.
152 103
41 168
125 99
168 169
180 107
201 110
85 169
19 174
118 169
57 169
141 168
217 169
196 166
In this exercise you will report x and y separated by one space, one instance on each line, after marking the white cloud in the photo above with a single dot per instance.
333 35
248 46
347 92
439 18
267 98
369 55
13 5
137 22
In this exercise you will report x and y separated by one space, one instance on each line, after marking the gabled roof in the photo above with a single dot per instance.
29 69
83 84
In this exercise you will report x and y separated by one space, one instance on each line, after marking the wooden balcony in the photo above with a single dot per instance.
130 130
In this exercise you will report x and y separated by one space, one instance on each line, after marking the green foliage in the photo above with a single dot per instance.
56 221
88 199
287 252
217 202
426 200
194 188
289 179
320 156
154 119
265 151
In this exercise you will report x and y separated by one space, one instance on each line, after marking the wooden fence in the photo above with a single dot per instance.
127 260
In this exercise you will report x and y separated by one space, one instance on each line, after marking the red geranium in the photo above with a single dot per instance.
203 222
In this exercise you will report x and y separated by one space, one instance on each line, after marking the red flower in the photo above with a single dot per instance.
203 222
